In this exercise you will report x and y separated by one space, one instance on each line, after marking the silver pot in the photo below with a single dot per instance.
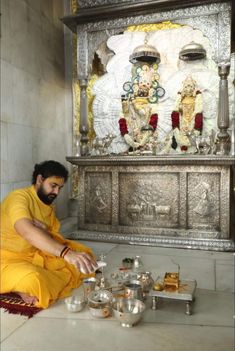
138 264
133 289
128 262
147 281
99 303
89 285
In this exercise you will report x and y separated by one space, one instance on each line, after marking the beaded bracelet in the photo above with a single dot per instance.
64 251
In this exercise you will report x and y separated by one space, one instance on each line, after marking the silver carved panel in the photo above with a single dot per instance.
214 20
225 205
98 198
149 200
94 3
82 54
204 201
168 202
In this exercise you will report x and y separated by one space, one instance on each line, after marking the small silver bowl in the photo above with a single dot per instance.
128 311
99 303
75 303
128 263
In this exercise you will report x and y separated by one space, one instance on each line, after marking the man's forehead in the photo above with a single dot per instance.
56 180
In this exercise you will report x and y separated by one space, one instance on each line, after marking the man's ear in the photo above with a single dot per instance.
39 179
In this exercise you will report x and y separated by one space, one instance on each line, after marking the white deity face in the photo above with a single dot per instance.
189 87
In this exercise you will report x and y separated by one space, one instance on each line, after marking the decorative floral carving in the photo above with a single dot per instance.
214 20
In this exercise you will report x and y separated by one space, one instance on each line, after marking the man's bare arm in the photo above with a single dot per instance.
38 237
41 239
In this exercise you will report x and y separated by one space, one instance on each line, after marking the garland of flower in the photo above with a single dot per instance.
123 124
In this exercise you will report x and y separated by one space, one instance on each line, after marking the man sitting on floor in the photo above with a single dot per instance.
36 261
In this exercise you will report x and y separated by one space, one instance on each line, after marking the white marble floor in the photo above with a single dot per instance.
209 328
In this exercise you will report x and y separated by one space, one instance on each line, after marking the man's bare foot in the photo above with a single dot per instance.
28 299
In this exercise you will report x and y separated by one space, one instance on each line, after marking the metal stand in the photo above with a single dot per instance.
185 292
188 308
154 303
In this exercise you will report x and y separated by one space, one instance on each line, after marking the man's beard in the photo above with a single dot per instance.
46 198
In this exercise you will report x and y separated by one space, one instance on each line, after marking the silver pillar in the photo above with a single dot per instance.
83 117
223 143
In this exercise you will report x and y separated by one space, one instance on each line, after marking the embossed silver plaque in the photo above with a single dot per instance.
162 201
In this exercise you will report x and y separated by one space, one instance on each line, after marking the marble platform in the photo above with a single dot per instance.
210 327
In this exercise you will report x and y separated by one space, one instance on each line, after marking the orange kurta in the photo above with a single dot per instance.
25 268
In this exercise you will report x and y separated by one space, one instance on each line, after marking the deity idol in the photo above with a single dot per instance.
187 117
138 123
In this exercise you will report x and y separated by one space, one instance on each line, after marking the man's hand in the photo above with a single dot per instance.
83 261
40 238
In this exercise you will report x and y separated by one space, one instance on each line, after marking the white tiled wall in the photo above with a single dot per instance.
36 99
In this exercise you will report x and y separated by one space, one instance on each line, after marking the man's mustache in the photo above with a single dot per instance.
52 196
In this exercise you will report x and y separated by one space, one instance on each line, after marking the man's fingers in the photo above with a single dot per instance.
87 264
83 268
90 262
83 261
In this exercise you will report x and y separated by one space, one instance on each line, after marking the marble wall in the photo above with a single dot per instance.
36 97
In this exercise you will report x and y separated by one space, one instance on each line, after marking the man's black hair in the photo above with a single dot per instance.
49 169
